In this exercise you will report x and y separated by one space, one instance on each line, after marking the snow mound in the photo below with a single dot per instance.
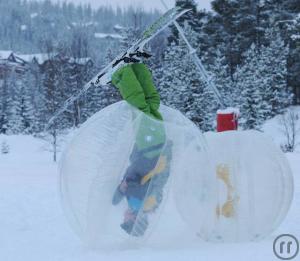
242 194
97 157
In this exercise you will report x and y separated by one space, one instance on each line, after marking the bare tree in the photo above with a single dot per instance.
290 128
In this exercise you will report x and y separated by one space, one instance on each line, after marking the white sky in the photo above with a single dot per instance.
148 4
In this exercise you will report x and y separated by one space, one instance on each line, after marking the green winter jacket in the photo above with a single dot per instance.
135 84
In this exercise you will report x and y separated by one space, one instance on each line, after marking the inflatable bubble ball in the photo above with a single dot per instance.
242 194
116 170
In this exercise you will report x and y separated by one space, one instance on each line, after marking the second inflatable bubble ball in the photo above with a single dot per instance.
242 194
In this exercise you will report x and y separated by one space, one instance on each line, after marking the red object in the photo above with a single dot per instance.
227 120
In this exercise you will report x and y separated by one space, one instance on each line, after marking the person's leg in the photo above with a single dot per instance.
136 86
159 174
146 99
159 177
130 89
145 79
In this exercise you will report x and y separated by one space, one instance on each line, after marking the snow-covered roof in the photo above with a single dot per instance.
84 24
81 61
108 36
33 15
229 110
23 27
4 55
119 27
40 58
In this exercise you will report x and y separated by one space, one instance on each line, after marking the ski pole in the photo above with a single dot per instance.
198 63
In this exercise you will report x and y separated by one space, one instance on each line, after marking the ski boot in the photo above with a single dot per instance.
134 57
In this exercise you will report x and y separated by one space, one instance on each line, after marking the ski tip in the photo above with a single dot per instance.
187 10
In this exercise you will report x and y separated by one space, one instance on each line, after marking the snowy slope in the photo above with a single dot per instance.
34 228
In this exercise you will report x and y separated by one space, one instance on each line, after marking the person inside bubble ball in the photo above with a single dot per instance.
148 171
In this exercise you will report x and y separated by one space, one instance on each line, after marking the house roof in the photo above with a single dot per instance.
40 58
33 15
119 27
23 27
81 61
4 55
108 36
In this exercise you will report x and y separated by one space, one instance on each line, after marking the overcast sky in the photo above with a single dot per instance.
145 3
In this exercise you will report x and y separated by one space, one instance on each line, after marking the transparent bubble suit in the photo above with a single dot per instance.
96 159
242 193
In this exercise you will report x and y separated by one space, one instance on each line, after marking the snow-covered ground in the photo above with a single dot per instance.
33 226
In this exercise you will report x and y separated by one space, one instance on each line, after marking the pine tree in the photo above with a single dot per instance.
169 77
236 25
181 87
34 81
101 97
285 15
3 123
192 18
129 35
28 113
21 110
262 81
294 57
5 98
250 84
274 58
72 84
221 77
54 93
53 90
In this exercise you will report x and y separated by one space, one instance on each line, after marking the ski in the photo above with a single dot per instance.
131 55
